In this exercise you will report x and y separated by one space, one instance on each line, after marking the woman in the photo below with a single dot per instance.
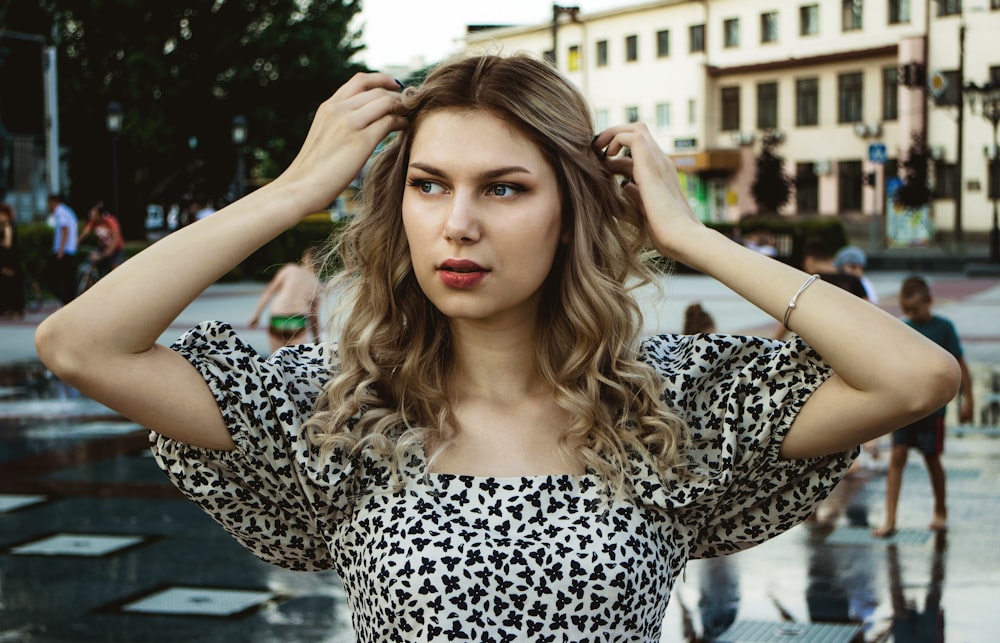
11 271
489 452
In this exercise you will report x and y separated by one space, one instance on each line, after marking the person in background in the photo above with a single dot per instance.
293 295
851 260
927 433
697 320
11 270
110 250
61 271
491 451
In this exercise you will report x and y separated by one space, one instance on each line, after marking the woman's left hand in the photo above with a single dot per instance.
652 185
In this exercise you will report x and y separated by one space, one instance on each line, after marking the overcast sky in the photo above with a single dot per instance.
397 31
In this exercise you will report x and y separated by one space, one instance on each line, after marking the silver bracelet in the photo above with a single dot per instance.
795 297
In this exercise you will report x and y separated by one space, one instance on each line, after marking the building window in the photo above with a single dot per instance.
663 43
890 93
949 7
631 48
849 185
692 112
601 53
601 121
769 27
952 94
806 188
945 180
806 102
994 4
631 114
851 11
899 11
809 20
850 92
696 38
730 109
731 32
663 115
767 105
573 58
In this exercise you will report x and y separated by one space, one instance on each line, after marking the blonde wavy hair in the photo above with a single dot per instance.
389 392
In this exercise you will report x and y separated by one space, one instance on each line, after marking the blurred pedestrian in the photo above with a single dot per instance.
61 271
697 320
851 260
927 433
11 270
293 295
105 227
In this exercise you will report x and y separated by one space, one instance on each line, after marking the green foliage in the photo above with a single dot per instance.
286 248
35 243
181 71
772 187
915 192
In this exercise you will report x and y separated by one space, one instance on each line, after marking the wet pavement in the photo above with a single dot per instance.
95 545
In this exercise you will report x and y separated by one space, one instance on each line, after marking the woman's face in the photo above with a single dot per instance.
481 211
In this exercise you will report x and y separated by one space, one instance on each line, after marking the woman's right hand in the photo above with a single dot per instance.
345 131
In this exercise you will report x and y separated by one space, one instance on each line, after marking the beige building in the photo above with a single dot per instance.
710 77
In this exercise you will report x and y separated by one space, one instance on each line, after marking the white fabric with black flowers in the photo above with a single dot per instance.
540 558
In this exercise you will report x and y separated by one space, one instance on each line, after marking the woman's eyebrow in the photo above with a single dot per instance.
487 175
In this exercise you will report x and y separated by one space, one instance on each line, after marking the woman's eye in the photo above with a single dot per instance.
426 187
503 190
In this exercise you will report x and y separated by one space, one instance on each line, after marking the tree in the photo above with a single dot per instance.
181 71
915 192
772 187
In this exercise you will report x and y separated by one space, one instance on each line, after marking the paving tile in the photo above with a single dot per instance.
768 632
199 601
77 545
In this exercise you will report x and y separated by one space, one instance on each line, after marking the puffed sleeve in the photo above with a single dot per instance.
271 492
739 396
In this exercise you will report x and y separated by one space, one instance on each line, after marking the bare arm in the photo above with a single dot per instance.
114 358
885 373
966 406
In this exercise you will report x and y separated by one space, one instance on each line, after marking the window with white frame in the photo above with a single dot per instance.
899 11
663 115
769 26
601 121
663 43
851 15
631 48
809 20
696 38
632 114
731 32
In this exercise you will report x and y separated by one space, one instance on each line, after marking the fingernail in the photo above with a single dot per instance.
400 83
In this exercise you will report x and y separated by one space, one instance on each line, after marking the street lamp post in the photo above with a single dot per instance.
239 137
987 98
113 116
557 11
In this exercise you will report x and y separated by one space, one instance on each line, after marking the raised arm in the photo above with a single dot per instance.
885 374
104 342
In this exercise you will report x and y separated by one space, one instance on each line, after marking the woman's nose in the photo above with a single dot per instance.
462 225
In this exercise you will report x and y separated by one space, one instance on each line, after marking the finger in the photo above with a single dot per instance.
362 82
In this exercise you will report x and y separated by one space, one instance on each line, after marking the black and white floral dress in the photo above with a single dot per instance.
540 558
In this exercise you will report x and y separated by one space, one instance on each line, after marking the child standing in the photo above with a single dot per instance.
926 434
292 295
